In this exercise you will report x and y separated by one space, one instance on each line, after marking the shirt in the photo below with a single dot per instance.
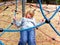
26 22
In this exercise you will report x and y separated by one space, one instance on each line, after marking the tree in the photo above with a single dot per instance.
58 2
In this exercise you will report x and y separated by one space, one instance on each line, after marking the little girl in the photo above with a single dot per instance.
28 36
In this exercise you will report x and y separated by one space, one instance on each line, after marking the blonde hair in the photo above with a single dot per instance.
30 13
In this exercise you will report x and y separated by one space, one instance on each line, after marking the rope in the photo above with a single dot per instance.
4 39
5 21
47 21
49 11
4 9
55 13
49 36
12 21
39 1
39 24
1 43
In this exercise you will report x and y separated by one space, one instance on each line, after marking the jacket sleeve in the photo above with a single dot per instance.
35 23
18 23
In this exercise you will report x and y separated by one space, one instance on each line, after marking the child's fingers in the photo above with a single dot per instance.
14 18
42 20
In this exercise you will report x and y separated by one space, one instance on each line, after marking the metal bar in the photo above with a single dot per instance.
23 8
16 4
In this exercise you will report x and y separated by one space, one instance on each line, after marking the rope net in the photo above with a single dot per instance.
44 35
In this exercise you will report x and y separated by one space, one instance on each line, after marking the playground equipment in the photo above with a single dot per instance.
23 9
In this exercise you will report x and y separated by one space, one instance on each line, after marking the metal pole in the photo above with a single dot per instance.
23 8
16 4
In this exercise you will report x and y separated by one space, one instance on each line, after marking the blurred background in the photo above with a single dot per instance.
43 1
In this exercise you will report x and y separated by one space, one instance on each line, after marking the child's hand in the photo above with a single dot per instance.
42 20
14 18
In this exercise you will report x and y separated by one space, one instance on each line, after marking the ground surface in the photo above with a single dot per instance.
44 34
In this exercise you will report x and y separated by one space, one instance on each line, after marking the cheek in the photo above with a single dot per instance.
28 16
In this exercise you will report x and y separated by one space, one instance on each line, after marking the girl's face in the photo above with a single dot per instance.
28 16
